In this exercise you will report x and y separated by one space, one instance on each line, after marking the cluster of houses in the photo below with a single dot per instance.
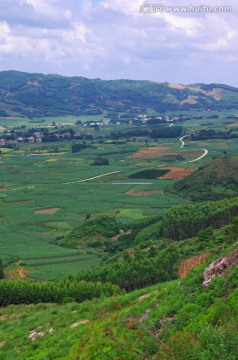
39 136
36 137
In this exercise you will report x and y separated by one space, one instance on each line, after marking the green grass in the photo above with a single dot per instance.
173 320
48 268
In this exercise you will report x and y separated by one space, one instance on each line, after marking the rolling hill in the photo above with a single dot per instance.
36 95
213 181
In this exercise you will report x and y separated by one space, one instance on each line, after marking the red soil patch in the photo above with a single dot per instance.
17 273
184 267
144 193
21 273
47 211
176 173
3 189
149 152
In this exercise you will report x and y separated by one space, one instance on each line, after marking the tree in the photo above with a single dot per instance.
1 270
76 147
100 161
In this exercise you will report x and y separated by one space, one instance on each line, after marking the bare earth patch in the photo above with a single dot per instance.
151 152
144 153
176 173
145 296
3 189
232 125
190 100
186 266
176 86
47 211
144 193
16 274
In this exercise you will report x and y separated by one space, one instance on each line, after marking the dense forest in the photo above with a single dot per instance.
31 292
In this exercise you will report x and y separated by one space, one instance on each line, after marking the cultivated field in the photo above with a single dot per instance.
46 190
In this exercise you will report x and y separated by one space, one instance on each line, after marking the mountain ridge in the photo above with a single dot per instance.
35 95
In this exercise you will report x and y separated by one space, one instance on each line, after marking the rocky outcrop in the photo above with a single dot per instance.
220 267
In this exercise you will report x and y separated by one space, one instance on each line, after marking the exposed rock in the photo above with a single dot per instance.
79 323
220 267
50 331
34 334
122 232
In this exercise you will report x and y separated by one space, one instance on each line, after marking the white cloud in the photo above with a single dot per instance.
76 33
111 39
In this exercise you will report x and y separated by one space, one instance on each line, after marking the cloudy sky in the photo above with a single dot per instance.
112 39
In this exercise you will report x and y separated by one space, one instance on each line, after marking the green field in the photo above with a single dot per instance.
64 187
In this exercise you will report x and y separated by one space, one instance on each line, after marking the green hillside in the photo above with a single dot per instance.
109 312
36 95
173 320
215 180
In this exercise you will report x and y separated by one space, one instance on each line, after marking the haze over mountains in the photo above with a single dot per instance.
36 95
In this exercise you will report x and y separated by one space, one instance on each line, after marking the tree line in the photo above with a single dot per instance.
212 134
32 292
158 132
135 271
183 222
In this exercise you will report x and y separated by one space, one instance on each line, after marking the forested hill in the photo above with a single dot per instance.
36 95
216 180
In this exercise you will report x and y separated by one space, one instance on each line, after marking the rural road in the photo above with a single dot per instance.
200 157
94 177
182 142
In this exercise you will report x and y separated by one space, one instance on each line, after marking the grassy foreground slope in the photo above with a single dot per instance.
175 320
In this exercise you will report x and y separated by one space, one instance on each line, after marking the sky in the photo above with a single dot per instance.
121 39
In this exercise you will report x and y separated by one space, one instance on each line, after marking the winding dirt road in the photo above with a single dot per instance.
94 177
200 157
182 142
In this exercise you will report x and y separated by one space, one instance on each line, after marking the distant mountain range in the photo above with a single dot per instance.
37 95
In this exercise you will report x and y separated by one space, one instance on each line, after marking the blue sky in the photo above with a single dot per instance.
112 39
